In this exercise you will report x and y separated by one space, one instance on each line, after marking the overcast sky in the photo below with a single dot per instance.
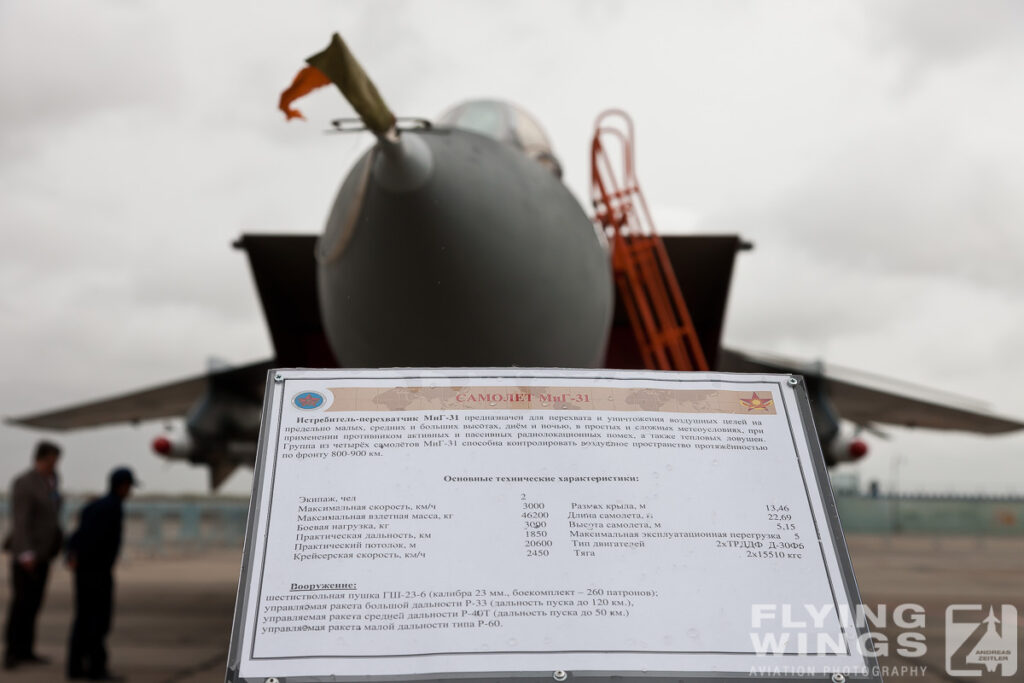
871 150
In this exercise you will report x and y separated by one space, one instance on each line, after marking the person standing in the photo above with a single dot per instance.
34 541
92 551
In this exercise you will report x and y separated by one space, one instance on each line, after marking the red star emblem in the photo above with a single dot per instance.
308 400
755 402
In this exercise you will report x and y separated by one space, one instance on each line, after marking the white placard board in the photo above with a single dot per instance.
497 523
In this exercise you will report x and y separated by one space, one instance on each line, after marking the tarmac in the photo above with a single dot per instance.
173 613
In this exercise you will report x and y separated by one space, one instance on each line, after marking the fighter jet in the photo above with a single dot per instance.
455 243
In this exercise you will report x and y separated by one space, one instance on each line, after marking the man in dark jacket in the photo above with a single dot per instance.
34 541
92 551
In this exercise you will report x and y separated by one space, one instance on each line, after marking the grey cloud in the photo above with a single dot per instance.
931 33
908 204
94 56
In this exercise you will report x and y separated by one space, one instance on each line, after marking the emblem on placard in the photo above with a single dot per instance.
756 402
308 400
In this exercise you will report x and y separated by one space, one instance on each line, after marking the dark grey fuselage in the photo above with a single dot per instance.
454 249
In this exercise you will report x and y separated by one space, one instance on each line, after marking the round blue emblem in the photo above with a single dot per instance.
308 400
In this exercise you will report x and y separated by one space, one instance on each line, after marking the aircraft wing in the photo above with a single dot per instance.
166 400
867 399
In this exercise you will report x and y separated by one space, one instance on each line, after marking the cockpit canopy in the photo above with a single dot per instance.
506 122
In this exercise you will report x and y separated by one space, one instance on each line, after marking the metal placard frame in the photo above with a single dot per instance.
275 389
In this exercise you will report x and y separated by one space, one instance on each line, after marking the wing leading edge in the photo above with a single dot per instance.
166 400
865 405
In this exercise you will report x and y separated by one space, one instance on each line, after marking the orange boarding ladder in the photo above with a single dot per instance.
643 274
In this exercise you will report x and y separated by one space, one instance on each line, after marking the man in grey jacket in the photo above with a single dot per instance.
34 541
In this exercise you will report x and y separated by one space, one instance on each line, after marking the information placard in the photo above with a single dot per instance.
496 523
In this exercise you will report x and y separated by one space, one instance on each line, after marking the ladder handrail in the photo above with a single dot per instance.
643 273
